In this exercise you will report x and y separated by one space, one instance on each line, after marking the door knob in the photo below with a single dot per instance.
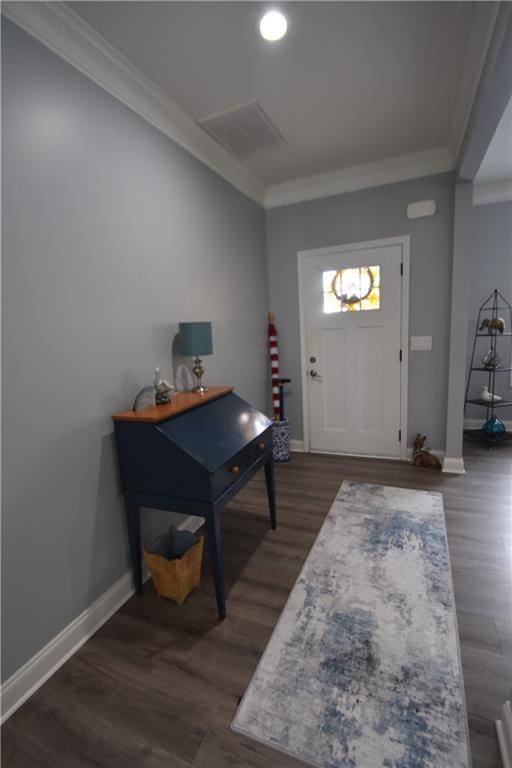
313 374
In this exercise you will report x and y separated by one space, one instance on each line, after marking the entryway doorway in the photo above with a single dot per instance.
354 342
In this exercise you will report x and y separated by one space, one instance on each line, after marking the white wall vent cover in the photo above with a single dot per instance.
242 130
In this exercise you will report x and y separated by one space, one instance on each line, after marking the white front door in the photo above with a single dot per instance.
352 305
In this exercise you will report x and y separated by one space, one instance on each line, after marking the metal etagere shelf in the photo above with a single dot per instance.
493 361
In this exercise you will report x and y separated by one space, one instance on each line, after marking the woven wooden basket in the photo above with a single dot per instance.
176 579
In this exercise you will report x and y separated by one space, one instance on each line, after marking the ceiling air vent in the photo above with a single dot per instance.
242 130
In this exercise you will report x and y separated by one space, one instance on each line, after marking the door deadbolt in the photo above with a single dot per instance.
312 359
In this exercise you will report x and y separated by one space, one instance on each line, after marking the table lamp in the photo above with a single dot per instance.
196 340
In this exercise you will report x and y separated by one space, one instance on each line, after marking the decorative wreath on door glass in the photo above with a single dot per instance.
350 286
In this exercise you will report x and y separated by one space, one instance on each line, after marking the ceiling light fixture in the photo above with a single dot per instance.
273 26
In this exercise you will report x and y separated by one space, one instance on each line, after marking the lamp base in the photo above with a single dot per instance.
198 369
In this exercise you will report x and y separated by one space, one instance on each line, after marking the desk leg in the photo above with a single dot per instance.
271 491
215 550
133 523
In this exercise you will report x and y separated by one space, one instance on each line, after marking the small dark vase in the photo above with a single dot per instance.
494 426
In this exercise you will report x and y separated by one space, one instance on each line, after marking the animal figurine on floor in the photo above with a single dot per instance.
492 324
421 457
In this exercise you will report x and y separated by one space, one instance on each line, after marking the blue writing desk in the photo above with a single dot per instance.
192 456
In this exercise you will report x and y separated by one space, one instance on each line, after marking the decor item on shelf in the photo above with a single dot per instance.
145 398
493 324
494 426
163 390
196 340
421 456
491 359
489 397
493 431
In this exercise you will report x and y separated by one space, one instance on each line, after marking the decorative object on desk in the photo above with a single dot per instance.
196 340
363 667
183 379
489 397
175 579
421 456
494 426
493 324
274 364
163 390
491 359
146 398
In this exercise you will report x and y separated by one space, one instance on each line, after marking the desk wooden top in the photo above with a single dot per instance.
182 401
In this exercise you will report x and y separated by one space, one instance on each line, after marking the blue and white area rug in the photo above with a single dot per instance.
363 667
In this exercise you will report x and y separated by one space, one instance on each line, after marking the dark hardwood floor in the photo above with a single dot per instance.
157 686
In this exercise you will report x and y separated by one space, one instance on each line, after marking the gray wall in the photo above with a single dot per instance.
491 267
111 235
365 215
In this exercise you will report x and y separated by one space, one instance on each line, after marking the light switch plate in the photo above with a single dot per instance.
421 343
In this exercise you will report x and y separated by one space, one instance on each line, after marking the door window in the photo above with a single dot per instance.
354 289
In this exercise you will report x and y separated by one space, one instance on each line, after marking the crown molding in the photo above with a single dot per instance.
59 28
415 165
498 192
482 28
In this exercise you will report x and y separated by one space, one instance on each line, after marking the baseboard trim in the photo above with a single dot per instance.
37 670
433 451
368 175
504 732
297 446
357 455
453 466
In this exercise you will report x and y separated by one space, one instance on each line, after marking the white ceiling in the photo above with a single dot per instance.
351 83
496 166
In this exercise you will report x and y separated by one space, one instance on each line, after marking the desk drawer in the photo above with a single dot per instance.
240 463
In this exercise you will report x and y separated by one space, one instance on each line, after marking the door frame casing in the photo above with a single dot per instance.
404 241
